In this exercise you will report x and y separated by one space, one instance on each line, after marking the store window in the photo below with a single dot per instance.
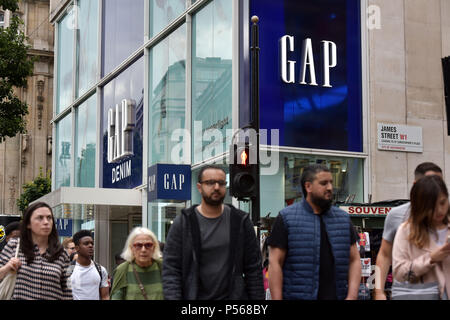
284 187
162 13
2 19
87 44
123 31
124 171
65 61
347 176
63 162
211 79
167 98
86 137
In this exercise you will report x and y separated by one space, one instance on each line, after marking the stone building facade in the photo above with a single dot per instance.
406 87
22 157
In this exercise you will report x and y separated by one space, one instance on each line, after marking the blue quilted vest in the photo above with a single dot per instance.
302 263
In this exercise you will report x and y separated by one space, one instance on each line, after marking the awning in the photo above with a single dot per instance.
96 196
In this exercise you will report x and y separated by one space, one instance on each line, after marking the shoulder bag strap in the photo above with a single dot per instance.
99 270
141 286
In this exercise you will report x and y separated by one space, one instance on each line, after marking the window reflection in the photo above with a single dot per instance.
123 31
163 12
87 43
86 143
65 62
211 79
63 152
167 97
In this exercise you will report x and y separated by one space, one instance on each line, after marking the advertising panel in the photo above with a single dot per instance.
310 72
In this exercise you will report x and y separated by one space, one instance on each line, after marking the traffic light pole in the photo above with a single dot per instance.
255 115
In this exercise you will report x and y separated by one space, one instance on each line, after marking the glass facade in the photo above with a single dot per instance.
64 96
162 13
211 79
186 77
123 31
86 143
87 45
63 163
167 98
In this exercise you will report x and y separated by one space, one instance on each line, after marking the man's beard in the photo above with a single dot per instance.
213 202
323 204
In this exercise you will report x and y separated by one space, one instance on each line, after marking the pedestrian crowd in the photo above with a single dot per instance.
212 252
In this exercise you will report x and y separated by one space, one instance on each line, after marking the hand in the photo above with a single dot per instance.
13 264
440 254
351 297
380 295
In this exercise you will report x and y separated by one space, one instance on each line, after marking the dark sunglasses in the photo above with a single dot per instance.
139 245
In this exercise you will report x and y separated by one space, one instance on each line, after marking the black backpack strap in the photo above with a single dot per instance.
99 269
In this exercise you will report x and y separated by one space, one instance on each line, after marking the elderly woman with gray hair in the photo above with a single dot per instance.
139 277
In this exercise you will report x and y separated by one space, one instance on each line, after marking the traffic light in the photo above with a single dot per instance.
243 172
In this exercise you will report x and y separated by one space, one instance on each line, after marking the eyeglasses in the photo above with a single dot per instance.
147 245
211 183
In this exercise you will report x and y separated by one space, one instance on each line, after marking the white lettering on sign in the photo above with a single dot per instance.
355 210
61 224
121 171
152 183
121 122
172 183
307 66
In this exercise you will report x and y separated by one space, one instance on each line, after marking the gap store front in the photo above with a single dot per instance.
144 85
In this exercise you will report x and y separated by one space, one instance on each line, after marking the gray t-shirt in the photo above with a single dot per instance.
214 256
394 219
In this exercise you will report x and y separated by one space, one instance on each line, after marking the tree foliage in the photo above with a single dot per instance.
35 189
15 67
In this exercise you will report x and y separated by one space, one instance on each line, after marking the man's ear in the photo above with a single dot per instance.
308 185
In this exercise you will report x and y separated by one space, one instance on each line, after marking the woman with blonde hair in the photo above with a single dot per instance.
139 277
421 252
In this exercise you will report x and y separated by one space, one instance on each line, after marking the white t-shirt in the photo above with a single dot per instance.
441 236
85 282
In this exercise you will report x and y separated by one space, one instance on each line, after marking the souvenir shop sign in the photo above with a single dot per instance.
366 210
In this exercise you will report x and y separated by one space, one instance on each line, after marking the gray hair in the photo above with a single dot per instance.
127 254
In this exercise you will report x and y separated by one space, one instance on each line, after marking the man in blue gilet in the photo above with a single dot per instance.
313 253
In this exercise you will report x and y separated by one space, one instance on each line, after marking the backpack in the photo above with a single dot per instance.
97 266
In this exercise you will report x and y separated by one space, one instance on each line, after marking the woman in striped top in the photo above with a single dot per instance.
139 277
42 262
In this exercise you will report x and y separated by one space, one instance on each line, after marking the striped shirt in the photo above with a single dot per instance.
40 280
151 279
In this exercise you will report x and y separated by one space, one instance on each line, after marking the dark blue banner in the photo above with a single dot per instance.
64 227
169 182
310 72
